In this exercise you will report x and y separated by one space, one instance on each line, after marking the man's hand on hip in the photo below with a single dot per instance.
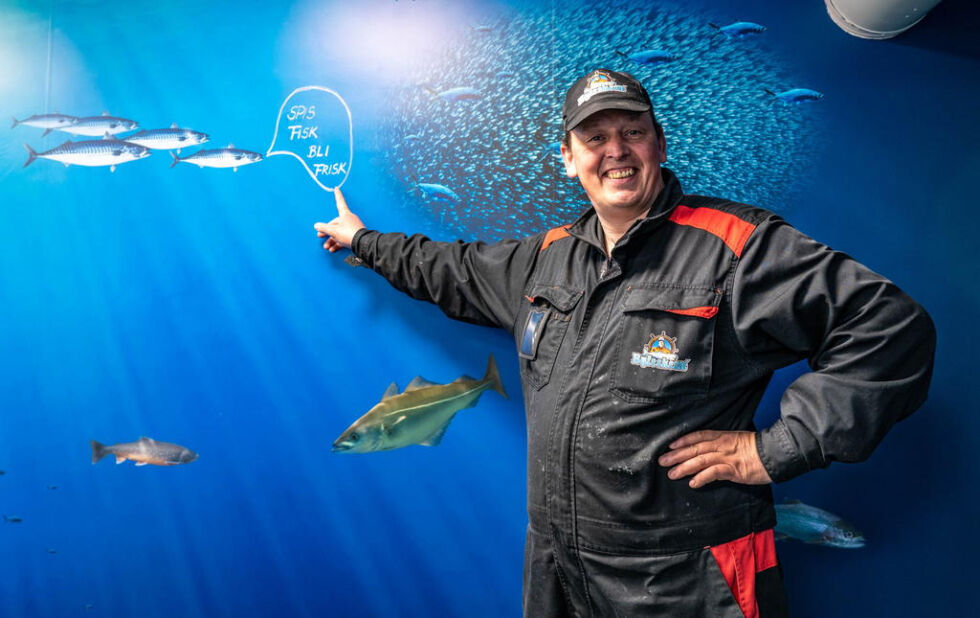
716 456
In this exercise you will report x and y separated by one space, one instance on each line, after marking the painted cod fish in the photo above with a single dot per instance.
100 125
419 415
144 451
219 157
809 524
92 153
173 138
48 122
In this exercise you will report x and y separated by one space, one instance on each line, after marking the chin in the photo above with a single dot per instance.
625 204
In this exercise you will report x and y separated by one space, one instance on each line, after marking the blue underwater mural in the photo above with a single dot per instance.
167 305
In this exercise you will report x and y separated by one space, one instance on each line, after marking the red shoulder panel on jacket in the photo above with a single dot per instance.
729 228
553 235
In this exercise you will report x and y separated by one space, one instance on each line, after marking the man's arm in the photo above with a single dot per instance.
474 282
870 348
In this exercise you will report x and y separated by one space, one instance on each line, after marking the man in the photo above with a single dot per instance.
647 332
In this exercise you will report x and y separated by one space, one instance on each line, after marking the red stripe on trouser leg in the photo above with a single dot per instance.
740 560
765 550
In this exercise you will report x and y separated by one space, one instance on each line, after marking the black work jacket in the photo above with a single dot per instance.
679 329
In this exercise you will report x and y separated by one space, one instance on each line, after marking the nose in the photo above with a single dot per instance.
616 147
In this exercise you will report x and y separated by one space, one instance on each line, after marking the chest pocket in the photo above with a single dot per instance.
665 343
544 330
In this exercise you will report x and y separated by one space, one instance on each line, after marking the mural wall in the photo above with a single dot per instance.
164 294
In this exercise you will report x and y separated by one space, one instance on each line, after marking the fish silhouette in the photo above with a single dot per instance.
649 57
739 29
418 415
796 95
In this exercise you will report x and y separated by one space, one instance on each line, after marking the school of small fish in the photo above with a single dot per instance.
472 141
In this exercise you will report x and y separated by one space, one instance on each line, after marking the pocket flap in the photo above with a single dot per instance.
696 302
561 298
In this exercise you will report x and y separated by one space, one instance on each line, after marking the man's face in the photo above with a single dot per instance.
616 155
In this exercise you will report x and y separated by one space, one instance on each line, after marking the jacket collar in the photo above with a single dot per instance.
588 228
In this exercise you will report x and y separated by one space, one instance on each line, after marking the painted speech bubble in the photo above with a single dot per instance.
314 125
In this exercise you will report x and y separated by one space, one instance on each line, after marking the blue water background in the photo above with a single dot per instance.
195 306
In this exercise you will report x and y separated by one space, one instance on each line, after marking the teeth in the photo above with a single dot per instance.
617 174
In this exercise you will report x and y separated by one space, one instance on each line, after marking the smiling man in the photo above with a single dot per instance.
647 332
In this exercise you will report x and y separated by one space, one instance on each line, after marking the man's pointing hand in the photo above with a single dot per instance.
340 230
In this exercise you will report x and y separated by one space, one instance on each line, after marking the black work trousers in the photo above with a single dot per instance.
741 578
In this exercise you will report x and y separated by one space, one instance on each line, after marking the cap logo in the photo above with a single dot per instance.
599 82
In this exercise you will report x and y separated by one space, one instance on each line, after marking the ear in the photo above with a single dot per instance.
566 156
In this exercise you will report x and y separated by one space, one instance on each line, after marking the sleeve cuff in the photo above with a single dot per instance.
778 452
356 242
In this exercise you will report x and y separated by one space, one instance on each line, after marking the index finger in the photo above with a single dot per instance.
342 208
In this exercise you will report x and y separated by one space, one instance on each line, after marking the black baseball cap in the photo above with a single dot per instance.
603 89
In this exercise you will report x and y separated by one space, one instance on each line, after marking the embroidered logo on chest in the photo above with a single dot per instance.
660 353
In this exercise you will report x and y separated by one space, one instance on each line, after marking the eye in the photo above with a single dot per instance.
354 437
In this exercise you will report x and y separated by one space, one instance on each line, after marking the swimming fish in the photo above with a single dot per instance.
551 151
91 153
463 93
739 29
100 125
650 56
219 157
439 192
419 415
12 519
48 122
796 95
173 138
144 451
809 524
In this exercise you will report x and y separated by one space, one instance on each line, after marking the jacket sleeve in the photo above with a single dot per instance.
474 282
870 348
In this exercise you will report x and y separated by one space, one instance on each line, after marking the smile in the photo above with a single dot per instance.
621 173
